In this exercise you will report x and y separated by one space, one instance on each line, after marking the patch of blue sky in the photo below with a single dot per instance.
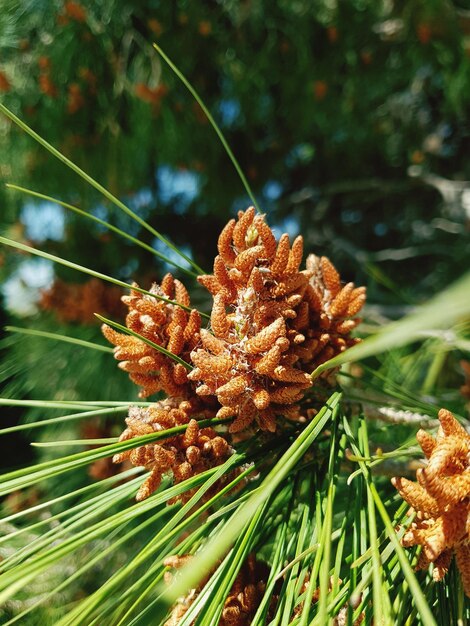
178 188
142 203
126 223
229 112
172 255
272 190
21 291
129 269
380 229
43 220
352 216
102 213
141 200
240 204
289 225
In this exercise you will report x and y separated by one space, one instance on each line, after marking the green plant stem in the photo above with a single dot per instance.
220 544
212 122
57 337
60 420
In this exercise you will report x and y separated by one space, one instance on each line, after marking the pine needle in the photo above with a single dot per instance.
107 225
58 337
212 122
150 343
86 177
86 270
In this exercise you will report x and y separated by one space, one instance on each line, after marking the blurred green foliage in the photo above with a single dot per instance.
329 106
350 120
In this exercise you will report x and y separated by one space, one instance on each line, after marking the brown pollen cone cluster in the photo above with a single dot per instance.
167 325
339 620
80 302
327 316
441 500
243 600
270 324
183 455
246 594
248 360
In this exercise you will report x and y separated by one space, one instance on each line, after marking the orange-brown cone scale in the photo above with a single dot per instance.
441 500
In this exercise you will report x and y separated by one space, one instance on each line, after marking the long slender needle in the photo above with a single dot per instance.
86 270
91 181
212 122
57 337
92 217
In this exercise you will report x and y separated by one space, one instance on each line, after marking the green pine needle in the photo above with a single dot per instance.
87 178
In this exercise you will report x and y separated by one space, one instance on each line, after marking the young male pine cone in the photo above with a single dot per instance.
242 601
167 325
327 317
248 360
272 323
441 500
183 455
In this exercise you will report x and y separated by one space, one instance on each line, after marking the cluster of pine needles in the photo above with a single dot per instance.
256 487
